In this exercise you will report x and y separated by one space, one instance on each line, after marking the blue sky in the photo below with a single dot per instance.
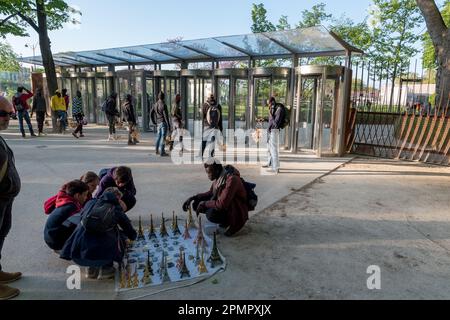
114 23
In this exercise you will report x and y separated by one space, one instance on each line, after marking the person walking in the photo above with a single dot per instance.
177 122
212 123
58 106
162 121
20 103
67 102
9 189
129 115
40 108
111 113
277 113
78 114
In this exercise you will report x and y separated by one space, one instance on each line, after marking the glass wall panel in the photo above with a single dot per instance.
101 92
241 103
262 94
224 100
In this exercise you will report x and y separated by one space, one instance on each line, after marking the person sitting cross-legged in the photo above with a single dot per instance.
226 202
100 238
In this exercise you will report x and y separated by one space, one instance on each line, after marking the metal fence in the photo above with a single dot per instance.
396 115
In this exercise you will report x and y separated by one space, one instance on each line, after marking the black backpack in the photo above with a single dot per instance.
99 217
285 120
252 198
213 116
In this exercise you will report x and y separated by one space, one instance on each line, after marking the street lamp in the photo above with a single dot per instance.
33 46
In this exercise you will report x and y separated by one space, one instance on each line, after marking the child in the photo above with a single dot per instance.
98 246
92 180
68 202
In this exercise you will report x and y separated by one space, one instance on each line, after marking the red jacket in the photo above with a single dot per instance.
24 97
231 199
61 199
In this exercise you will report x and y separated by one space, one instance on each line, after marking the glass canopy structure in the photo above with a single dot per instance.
306 42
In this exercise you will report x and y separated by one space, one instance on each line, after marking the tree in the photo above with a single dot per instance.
8 58
440 37
314 17
394 36
41 16
259 19
283 24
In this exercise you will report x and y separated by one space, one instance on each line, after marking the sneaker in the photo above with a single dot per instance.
75 135
131 143
24 135
92 273
164 155
33 135
7 293
157 152
81 135
6 277
265 166
106 273
110 137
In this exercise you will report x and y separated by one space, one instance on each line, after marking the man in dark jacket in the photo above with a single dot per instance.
276 114
212 124
121 178
111 113
177 122
9 189
69 202
99 250
129 116
163 123
226 202
40 107
20 103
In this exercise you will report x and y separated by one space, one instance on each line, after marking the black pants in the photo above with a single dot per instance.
79 120
112 124
217 217
5 221
40 118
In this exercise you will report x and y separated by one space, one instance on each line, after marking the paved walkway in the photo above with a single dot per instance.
46 163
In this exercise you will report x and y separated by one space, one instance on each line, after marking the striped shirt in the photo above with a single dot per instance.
77 105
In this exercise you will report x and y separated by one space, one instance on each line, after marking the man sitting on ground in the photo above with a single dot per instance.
226 202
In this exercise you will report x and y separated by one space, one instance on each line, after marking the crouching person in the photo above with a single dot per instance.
99 240
68 202
226 203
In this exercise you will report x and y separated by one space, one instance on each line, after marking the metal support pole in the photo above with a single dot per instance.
344 106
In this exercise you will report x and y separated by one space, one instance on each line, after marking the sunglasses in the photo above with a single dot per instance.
5 114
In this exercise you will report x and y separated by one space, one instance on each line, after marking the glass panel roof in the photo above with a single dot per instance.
311 42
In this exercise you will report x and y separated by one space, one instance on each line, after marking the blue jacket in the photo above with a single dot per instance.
56 232
100 249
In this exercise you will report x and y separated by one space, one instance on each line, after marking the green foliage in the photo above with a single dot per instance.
283 23
17 15
394 34
429 53
8 58
314 17
260 21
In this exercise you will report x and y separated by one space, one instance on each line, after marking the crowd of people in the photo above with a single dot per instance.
87 218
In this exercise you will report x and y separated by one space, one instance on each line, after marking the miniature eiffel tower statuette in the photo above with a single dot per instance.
184 272
151 231
149 264
197 255
173 220
135 280
202 266
140 230
200 239
176 229
180 260
190 219
129 284
162 264
123 277
186 234
146 279
215 258
165 274
162 230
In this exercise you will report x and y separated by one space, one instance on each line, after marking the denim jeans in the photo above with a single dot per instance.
62 116
273 146
5 221
161 142
24 115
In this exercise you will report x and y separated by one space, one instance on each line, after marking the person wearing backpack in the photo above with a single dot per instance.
226 203
78 114
161 116
97 242
20 103
9 189
277 115
129 116
40 107
69 201
111 113
212 123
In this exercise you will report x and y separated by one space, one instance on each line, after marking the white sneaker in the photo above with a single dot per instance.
110 137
